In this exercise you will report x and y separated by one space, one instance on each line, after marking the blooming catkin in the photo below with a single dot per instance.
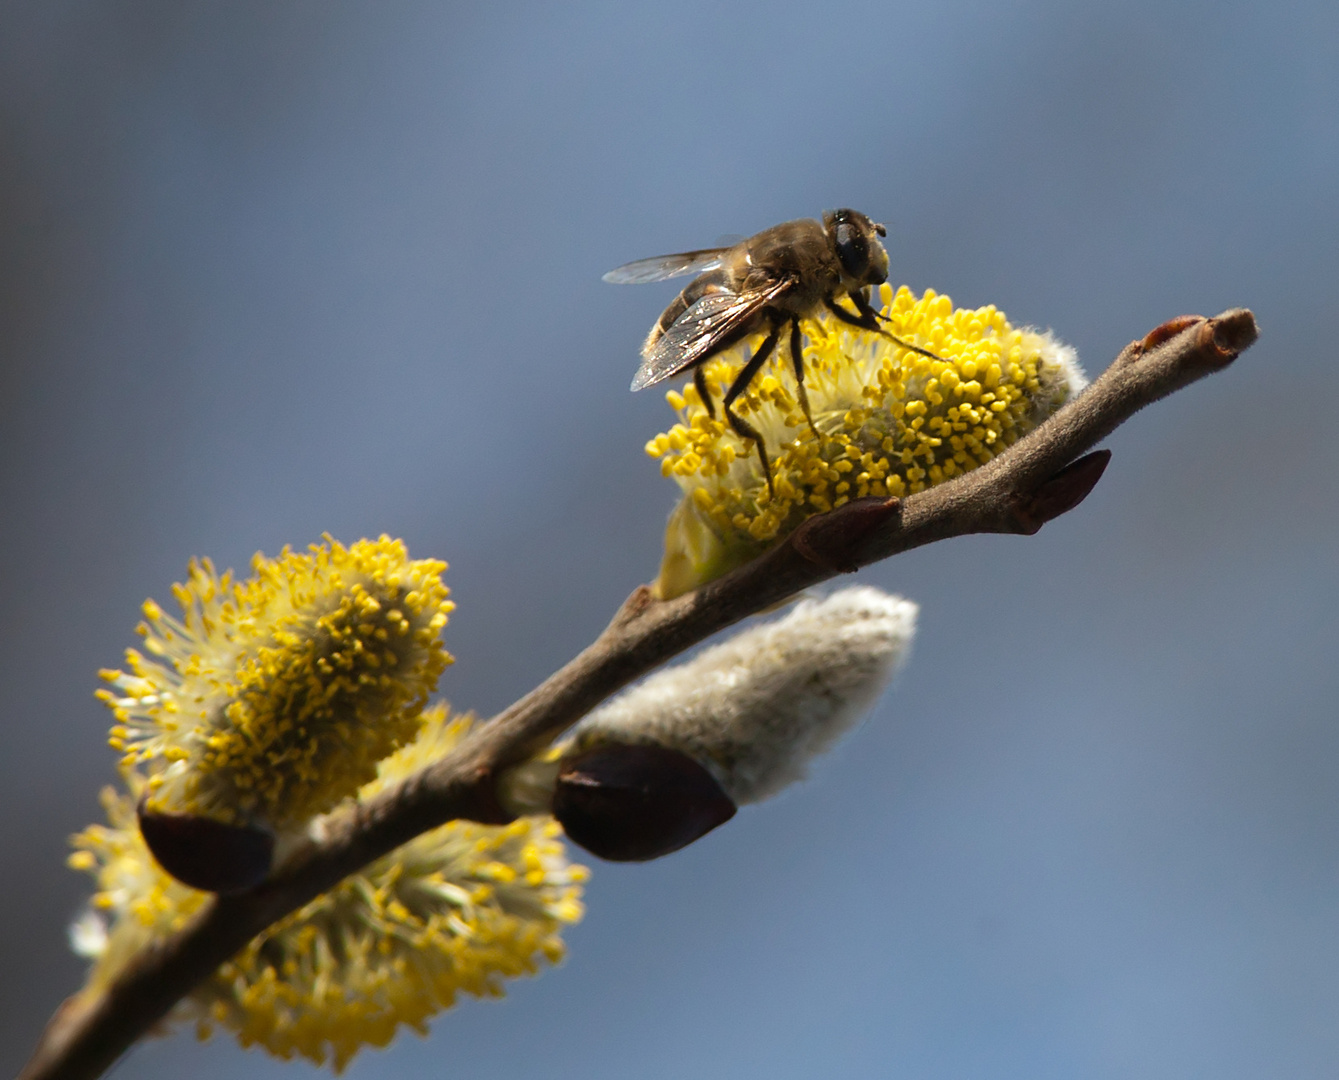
890 422
273 698
456 910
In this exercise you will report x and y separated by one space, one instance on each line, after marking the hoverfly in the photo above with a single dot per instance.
774 278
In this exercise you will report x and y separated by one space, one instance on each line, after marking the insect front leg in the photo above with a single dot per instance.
869 320
742 427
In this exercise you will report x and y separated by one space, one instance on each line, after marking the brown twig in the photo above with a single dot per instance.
1039 478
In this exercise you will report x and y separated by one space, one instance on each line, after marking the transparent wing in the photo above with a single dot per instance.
661 267
703 329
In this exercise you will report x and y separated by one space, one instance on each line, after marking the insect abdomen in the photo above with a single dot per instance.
711 281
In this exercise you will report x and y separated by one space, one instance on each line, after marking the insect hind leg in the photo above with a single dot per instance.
742 427
700 381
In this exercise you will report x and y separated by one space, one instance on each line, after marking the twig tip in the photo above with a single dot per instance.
1234 331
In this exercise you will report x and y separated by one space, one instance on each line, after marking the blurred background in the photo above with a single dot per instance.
272 270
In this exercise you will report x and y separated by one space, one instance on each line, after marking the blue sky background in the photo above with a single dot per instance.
272 270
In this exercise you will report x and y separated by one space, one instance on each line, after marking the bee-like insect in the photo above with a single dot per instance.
777 277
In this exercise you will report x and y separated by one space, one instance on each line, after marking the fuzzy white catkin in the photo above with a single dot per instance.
757 708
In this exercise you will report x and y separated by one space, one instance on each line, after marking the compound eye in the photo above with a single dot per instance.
852 250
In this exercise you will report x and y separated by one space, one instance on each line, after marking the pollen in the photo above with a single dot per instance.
887 422
458 910
273 698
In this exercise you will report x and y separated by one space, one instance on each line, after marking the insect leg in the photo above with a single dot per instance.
700 381
742 427
797 361
870 320
846 317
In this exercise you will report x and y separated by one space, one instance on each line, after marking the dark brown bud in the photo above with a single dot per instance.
1061 493
630 802
207 854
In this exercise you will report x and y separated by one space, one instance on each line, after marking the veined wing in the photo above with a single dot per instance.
716 320
660 267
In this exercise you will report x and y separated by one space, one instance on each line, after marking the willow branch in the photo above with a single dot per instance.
1042 476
